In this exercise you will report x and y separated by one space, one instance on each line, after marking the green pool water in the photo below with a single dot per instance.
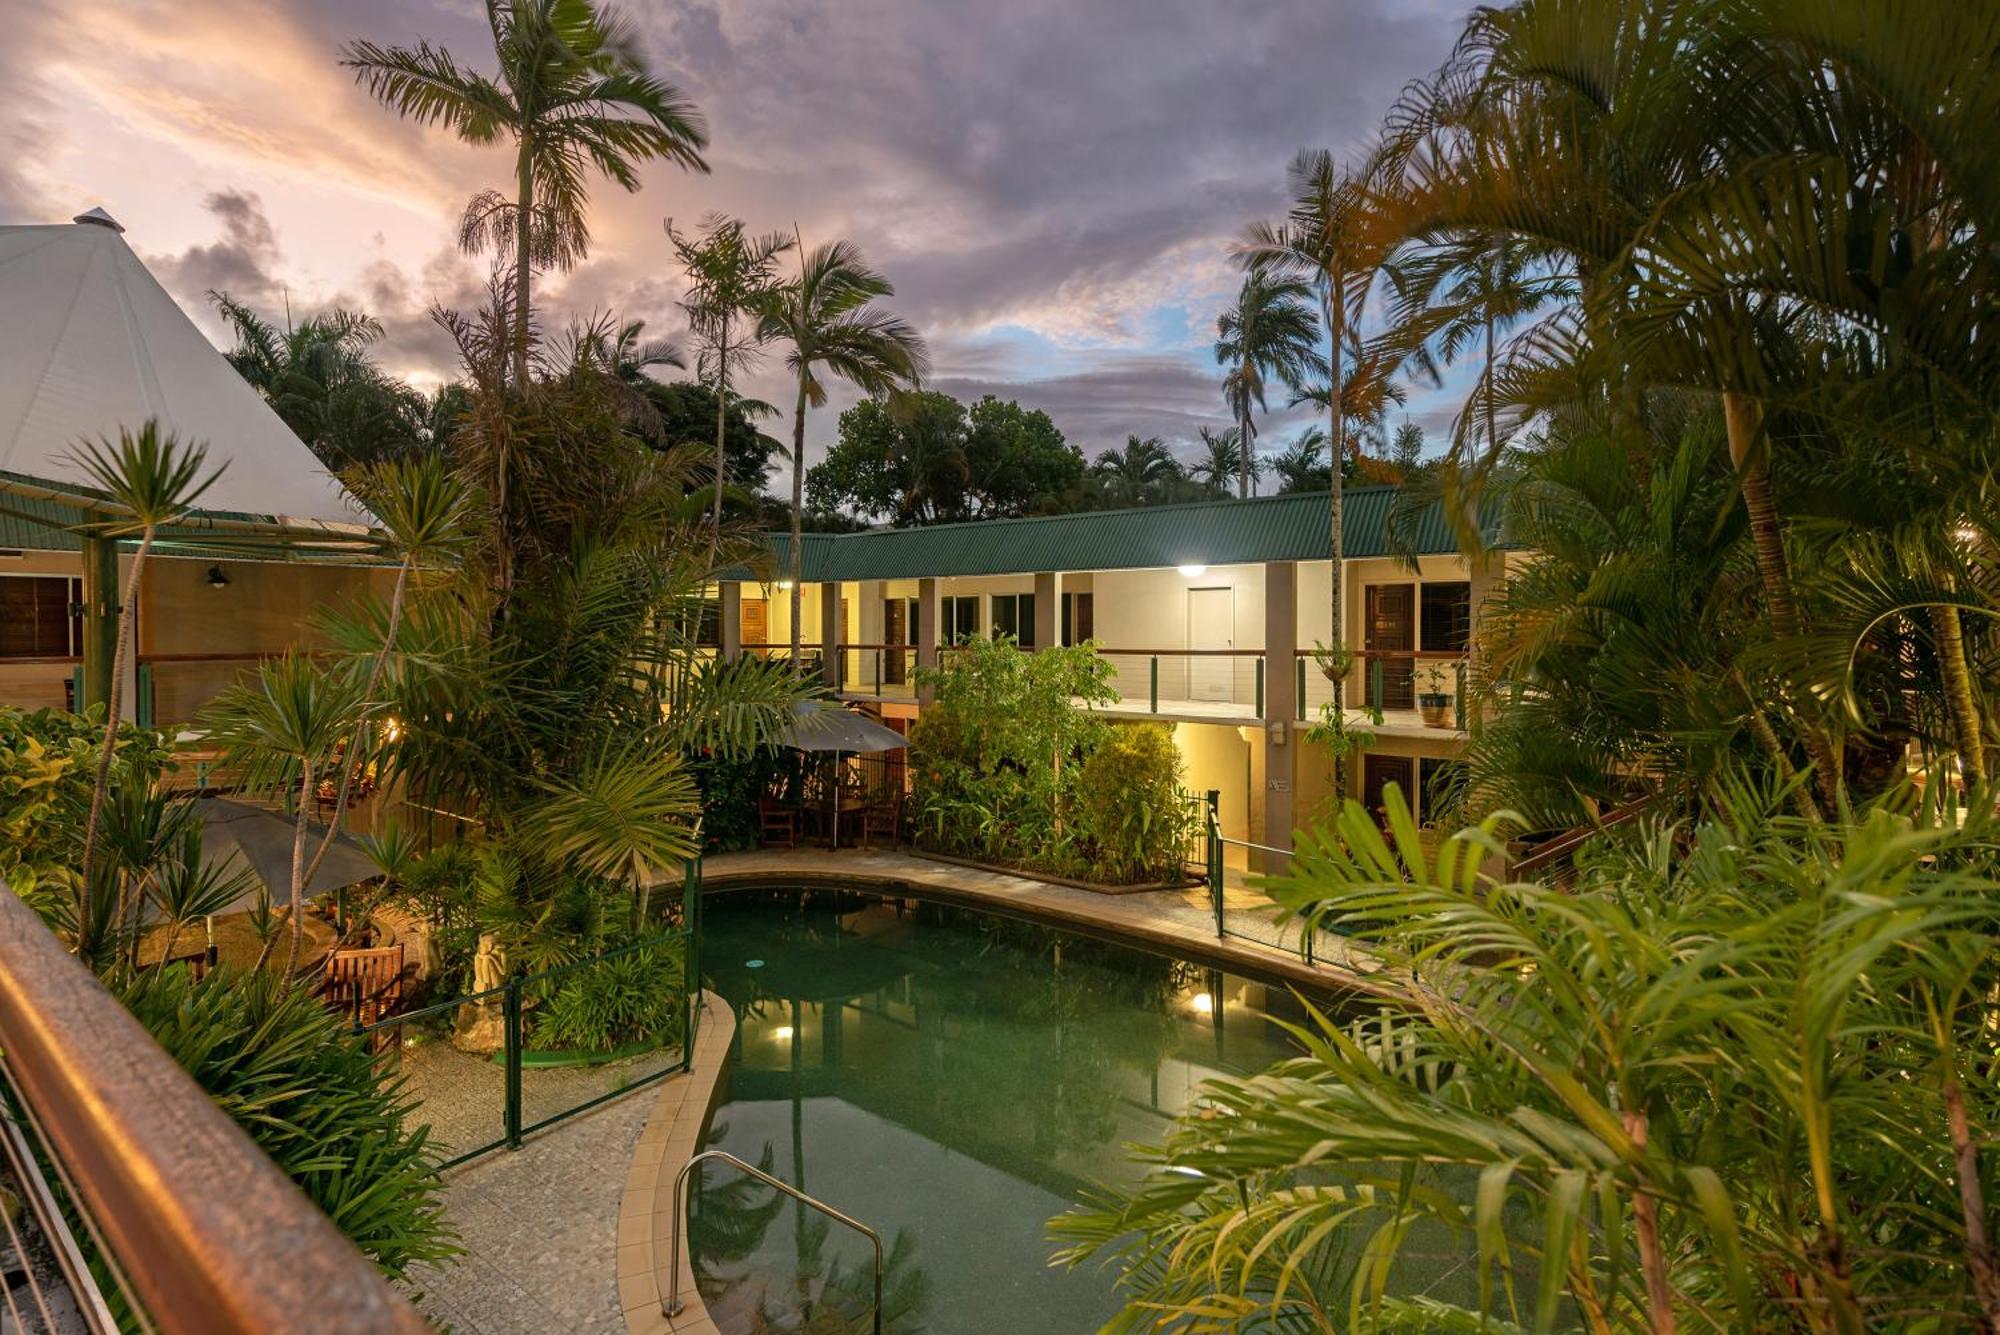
953 1078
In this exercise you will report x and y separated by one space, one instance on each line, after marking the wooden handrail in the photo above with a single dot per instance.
1365 654
211 1234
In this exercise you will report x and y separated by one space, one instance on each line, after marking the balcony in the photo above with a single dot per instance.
1204 685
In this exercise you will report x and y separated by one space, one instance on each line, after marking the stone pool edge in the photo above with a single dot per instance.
672 1136
1121 918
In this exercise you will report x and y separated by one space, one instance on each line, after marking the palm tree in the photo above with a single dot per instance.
1332 239
1222 462
1270 331
317 376
283 726
1302 465
824 319
728 272
154 480
1138 473
572 93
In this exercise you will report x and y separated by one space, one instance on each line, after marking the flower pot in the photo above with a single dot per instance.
1436 710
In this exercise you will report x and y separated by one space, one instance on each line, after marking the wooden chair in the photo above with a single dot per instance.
779 822
883 817
365 985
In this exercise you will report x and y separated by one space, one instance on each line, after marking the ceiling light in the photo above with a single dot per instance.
1203 1003
1192 571
216 578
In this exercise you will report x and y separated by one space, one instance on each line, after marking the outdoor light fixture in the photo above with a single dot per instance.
783 1033
1193 571
1203 1003
216 578
784 584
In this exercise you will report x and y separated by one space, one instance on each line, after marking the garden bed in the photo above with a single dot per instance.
1049 877
553 1057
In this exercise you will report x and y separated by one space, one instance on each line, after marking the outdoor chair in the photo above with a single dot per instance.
364 985
779 822
884 818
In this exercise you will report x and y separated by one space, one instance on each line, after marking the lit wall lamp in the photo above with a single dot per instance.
217 579
1193 571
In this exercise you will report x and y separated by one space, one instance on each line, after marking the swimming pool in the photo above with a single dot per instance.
952 1078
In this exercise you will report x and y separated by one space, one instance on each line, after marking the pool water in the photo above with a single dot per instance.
952 1078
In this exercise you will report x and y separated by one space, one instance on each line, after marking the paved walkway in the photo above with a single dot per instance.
1180 921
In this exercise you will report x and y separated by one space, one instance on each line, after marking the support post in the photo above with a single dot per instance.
1048 611
729 617
1212 845
510 1011
100 619
927 631
1281 642
830 655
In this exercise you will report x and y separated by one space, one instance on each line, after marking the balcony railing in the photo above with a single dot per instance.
199 1229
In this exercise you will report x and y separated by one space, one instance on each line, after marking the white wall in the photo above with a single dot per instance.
1148 609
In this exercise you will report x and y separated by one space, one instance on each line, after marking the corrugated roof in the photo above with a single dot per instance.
40 524
1224 532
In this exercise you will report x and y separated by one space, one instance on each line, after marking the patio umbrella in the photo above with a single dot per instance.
260 838
819 726
831 730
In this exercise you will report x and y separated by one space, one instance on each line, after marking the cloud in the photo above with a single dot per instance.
241 264
1053 186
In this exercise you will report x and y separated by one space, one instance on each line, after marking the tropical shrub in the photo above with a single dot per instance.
1131 809
730 787
308 1094
634 996
1739 1077
997 759
46 760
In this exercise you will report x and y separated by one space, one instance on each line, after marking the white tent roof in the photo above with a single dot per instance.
90 342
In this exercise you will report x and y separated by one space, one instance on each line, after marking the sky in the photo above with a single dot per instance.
1053 186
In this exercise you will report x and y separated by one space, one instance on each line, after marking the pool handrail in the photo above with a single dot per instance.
671 1304
210 1235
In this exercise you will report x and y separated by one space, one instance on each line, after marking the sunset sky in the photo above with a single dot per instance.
1053 185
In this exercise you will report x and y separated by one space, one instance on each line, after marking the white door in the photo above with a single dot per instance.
1211 625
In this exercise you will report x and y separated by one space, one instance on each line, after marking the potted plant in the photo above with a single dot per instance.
1433 697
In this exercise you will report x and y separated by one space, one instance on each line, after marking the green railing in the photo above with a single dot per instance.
476 1103
1256 923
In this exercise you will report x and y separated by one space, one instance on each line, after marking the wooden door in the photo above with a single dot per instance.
755 622
895 630
1378 772
1391 629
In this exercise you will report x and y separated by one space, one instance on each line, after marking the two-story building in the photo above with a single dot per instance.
1211 614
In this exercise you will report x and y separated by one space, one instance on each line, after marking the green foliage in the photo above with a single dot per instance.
924 458
45 784
308 1094
1736 1076
1131 810
730 787
687 418
318 377
633 996
997 763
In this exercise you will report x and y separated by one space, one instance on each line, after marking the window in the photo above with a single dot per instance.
1447 617
708 624
961 619
1079 621
1014 614
38 616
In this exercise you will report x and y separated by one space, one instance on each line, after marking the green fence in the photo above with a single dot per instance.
489 1068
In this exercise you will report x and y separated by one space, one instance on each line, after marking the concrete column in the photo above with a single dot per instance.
1281 740
729 616
927 630
830 634
1485 577
1048 611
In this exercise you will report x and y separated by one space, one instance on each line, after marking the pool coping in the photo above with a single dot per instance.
672 1136
1117 918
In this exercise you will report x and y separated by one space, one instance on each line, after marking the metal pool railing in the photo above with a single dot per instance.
671 1304
1259 924
462 1111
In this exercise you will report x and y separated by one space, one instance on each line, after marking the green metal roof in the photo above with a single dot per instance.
1226 532
43 524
